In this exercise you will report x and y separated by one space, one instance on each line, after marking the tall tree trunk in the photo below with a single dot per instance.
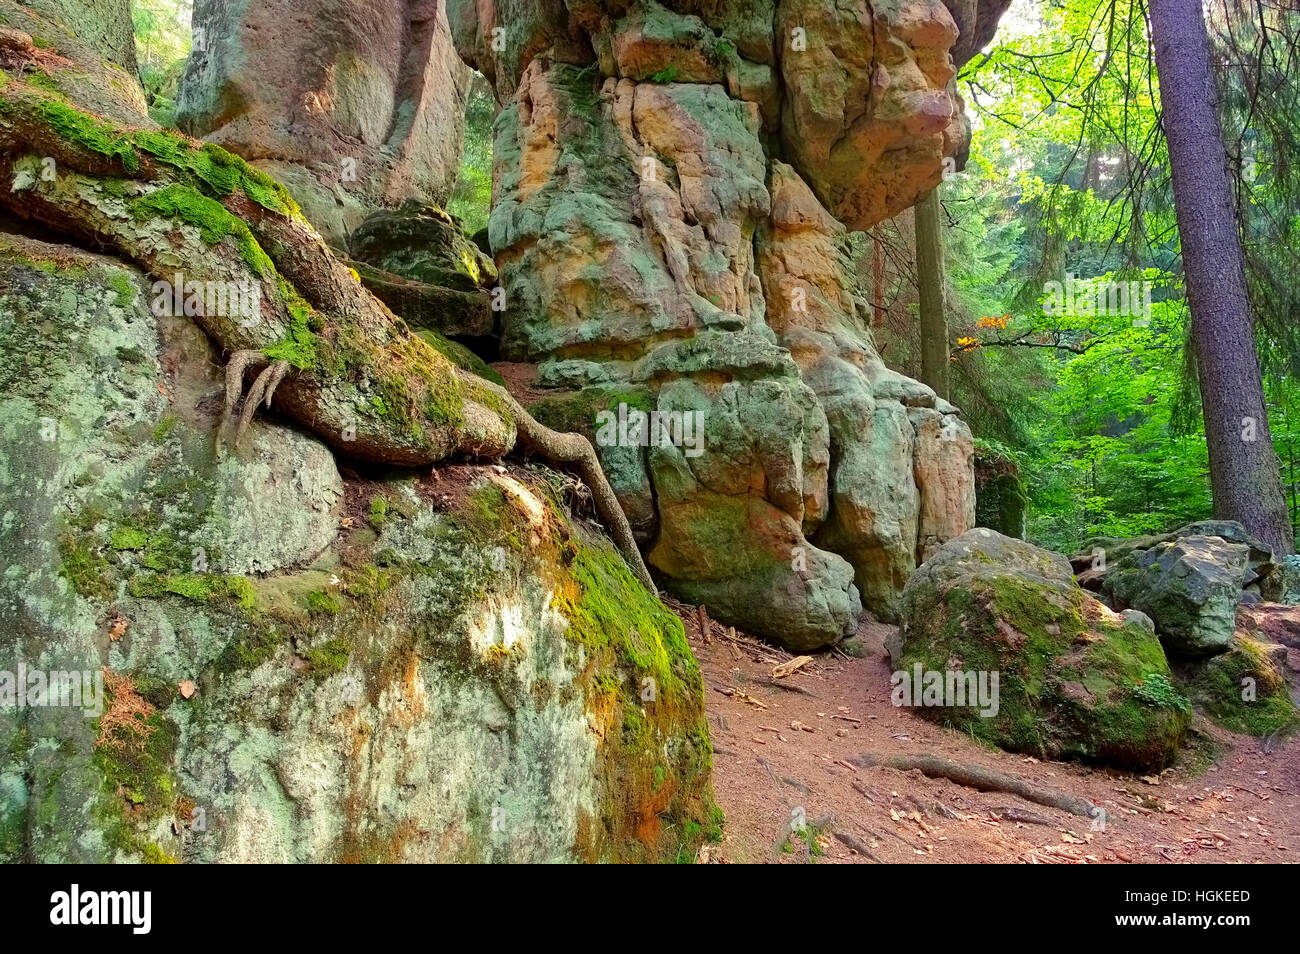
1244 470
929 272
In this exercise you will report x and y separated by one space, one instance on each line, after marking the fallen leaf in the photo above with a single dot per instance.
187 689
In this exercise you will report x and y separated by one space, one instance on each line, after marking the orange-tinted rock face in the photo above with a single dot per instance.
656 253
353 105
861 94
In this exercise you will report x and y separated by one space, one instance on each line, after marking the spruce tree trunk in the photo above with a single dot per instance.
929 272
1244 472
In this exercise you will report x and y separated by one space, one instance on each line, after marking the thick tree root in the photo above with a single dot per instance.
261 391
984 780
361 380
576 452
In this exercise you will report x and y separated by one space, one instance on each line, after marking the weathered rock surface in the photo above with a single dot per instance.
653 253
1000 498
105 26
353 106
1267 574
861 94
484 681
419 263
1075 679
1190 588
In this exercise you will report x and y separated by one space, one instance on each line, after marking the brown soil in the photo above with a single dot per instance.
521 381
1231 798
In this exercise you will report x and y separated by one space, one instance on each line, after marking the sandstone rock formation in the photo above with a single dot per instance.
656 255
1075 679
353 106
373 678
1189 587
105 26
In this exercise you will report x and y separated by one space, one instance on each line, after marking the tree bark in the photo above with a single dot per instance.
103 25
1244 473
929 271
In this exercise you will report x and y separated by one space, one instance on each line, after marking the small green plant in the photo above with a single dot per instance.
1157 690
318 601
666 75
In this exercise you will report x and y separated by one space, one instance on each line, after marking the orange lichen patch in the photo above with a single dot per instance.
123 723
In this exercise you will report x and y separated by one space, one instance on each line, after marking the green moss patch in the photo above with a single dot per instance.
209 216
1243 690
1073 681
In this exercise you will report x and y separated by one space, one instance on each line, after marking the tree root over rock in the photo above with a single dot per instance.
337 360
984 780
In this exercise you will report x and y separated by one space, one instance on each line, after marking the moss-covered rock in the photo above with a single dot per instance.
1244 688
422 242
1189 587
482 682
1075 680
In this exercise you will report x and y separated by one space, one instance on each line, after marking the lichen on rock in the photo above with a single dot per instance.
488 682
649 238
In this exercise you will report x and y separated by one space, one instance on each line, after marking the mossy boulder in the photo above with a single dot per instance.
1244 688
420 241
1267 573
1001 502
1075 680
419 263
449 311
1190 588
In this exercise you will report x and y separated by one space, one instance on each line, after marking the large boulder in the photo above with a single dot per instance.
292 670
1190 588
1245 688
1074 679
651 244
353 106
1268 575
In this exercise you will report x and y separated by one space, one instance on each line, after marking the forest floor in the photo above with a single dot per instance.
783 749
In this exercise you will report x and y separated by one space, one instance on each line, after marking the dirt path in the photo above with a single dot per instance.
1228 800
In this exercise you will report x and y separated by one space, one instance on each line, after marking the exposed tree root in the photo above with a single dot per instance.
576 451
337 359
263 387
984 780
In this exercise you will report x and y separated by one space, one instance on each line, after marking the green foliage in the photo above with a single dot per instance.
162 42
1100 414
1157 690
471 199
